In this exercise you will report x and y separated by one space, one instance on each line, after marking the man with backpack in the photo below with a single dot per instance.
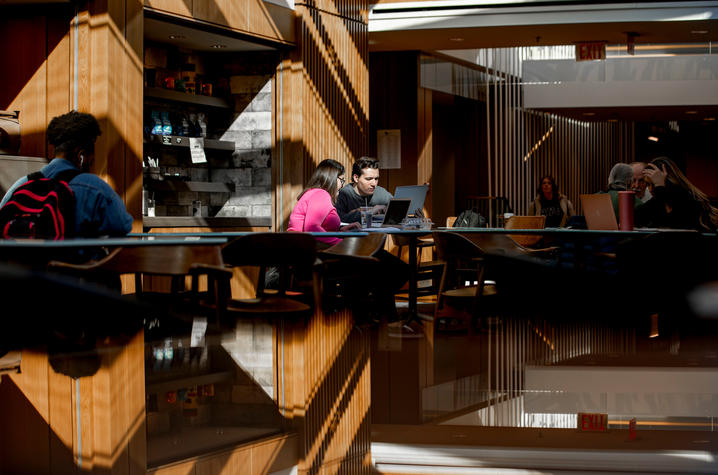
39 205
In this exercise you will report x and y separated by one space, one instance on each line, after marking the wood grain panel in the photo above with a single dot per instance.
178 7
327 114
214 11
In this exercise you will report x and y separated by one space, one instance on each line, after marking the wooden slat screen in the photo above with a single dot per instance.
322 95
524 145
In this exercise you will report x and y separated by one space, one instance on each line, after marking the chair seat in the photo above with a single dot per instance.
267 305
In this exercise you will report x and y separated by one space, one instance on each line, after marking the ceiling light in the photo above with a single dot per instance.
218 46
589 113
691 112
177 37
710 118
699 32
458 40
653 138
613 120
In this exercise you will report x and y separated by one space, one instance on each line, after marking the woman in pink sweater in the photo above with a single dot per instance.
315 211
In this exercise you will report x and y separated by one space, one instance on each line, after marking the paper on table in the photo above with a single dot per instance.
199 327
196 150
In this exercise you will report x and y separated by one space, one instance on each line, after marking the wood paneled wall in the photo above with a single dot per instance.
321 97
256 18
91 62
325 390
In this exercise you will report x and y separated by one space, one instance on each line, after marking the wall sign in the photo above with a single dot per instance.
388 145
590 51
589 422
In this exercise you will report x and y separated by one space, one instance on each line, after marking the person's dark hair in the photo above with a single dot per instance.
675 177
325 177
72 131
554 186
363 162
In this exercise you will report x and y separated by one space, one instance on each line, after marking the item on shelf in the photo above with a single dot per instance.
207 89
168 354
169 82
180 85
171 397
166 124
202 121
208 390
157 123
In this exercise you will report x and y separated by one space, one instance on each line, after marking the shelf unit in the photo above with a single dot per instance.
177 96
161 386
181 141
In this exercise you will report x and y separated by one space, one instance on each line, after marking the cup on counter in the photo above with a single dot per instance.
150 206
366 216
197 208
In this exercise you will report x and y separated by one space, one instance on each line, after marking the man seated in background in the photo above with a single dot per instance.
620 179
364 191
639 183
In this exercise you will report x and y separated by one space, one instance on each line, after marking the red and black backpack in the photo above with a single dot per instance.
42 208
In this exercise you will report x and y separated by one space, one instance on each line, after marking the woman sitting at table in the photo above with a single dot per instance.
550 203
315 211
676 202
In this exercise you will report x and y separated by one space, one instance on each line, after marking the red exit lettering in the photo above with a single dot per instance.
590 51
589 422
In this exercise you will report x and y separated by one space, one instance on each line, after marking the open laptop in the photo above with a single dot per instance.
598 211
417 193
396 211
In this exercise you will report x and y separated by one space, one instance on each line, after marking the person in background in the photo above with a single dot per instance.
315 211
619 179
550 203
639 184
99 210
364 191
676 202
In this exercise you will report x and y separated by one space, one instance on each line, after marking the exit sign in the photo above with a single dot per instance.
590 51
588 422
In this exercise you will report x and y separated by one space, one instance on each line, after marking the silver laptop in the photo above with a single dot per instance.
417 194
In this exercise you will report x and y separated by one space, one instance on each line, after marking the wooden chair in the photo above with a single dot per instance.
292 255
526 222
425 269
174 261
502 244
347 266
463 261
450 220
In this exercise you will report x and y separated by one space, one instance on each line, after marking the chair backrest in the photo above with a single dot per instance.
526 222
359 247
453 246
291 254
500 244
450 220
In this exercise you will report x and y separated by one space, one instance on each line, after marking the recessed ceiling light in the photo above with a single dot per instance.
458 40
177 37
218 46
589 113
653 138
710 118
613 120
699 32
691 112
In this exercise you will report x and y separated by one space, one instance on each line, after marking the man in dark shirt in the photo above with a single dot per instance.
363 191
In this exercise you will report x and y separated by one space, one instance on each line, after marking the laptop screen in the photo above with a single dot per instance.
417 194
396 211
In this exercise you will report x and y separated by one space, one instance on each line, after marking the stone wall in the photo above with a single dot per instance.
250 165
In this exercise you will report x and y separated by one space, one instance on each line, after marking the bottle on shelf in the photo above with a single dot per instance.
157 123
202 121
166 124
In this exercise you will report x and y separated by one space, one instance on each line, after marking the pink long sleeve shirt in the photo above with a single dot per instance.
315 212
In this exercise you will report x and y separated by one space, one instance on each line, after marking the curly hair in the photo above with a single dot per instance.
362 163
72 131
